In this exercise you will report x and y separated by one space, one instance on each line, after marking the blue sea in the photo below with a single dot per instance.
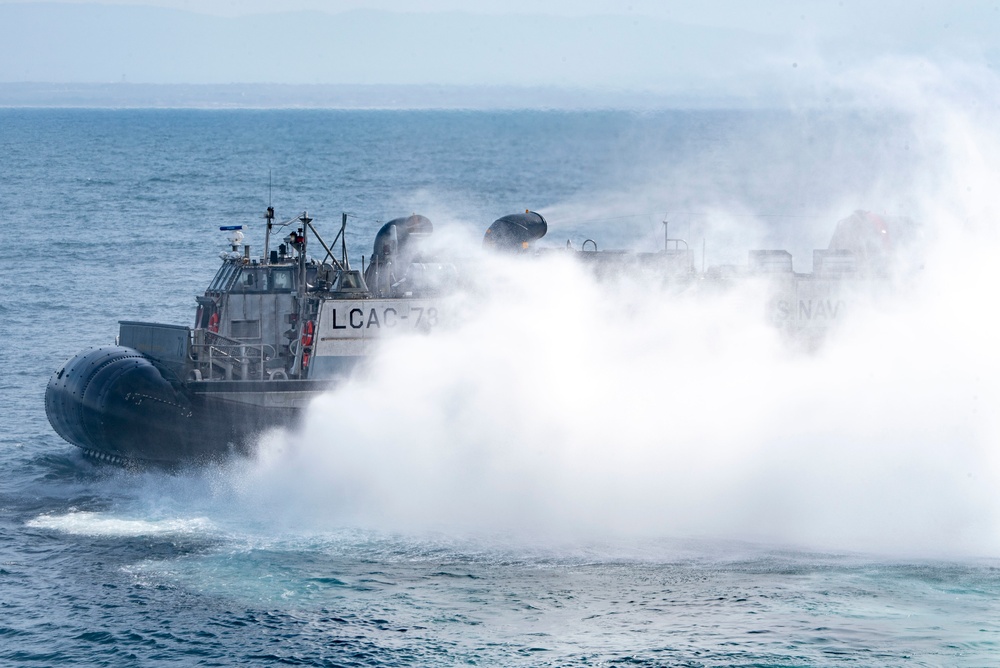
813 513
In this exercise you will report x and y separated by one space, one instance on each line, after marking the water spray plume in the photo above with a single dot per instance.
555 404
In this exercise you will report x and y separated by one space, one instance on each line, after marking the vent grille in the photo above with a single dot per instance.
245 329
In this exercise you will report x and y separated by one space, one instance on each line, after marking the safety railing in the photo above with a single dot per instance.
218 357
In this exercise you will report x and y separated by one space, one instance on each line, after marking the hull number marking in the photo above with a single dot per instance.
377 318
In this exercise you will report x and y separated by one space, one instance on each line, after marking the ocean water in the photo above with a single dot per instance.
838 509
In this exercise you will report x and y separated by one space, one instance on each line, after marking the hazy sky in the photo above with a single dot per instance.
711 48
921 20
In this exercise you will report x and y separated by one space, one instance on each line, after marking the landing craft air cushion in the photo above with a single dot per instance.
271 333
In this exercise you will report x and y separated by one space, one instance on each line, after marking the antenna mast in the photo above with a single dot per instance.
343 241
269 217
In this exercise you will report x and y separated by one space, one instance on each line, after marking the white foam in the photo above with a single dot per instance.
85 523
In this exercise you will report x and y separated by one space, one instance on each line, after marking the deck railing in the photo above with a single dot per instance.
218 357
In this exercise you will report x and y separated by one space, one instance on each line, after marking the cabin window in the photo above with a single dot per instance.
282 280
245 329
224 277
253 280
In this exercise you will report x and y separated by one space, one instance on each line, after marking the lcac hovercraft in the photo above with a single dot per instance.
272 332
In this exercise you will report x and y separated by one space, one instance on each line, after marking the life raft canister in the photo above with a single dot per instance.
213 323
307 340
307 333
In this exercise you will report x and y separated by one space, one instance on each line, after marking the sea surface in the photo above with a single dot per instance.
110 215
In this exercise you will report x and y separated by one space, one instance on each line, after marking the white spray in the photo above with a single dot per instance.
555 404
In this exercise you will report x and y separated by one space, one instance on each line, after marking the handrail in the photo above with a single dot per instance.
248 360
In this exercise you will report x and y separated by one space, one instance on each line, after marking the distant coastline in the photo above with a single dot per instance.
125 95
